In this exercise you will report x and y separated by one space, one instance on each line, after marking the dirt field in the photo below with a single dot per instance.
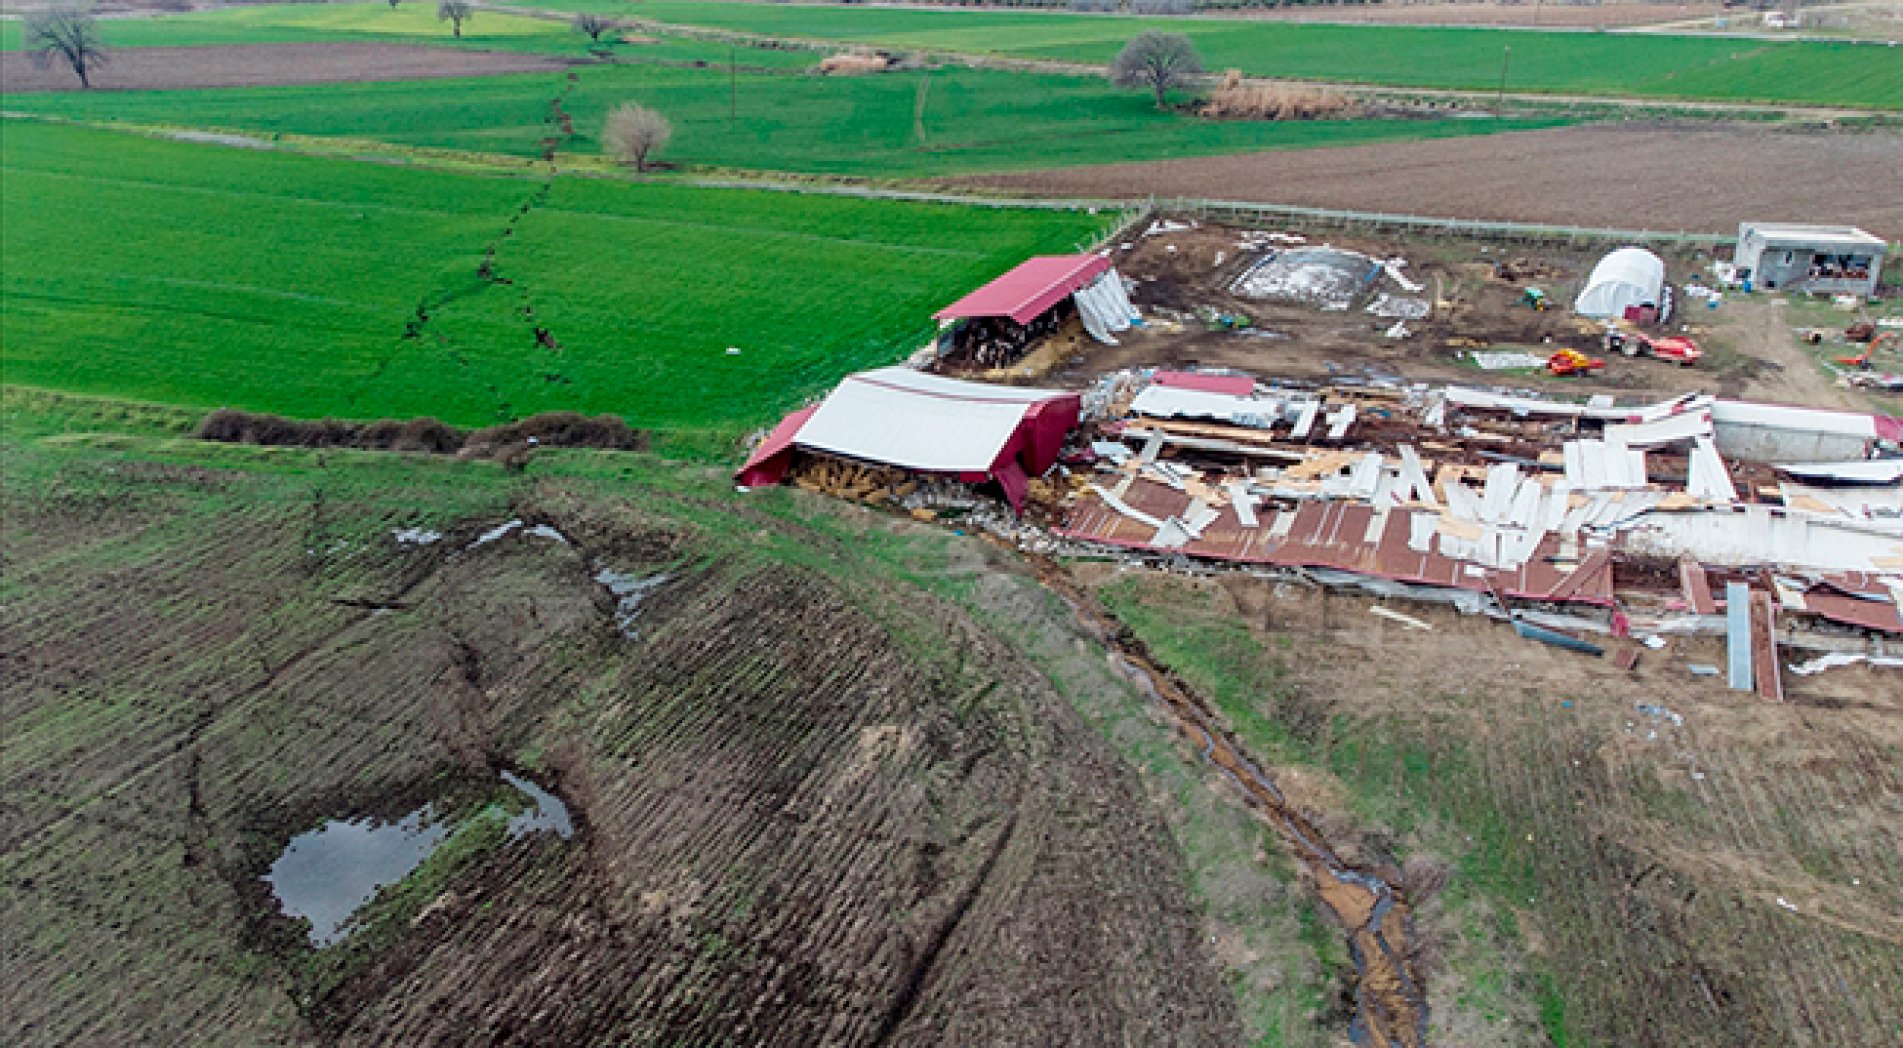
1706 870
1694 178
813 808
1187 274
253 65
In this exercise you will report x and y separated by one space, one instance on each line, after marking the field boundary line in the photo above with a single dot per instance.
1058 67
1235 211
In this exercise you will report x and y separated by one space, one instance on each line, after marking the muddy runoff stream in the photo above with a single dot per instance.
1390 998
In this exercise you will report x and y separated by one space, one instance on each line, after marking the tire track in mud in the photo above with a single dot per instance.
1390 996
921 969
184 743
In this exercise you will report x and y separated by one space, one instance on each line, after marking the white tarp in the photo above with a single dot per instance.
1630 276
919 421
1105 308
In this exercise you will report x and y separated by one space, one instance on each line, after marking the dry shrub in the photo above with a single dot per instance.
854 63
560 429
563 429
1234 100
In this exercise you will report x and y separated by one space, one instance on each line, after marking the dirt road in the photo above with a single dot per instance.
1785 375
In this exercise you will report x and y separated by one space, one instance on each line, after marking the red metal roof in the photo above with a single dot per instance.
1233 385
1335 535
1031 287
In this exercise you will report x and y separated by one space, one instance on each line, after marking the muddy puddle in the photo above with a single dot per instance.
328 874
629 592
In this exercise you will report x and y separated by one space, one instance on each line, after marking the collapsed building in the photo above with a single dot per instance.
1518 503
992 326
913 422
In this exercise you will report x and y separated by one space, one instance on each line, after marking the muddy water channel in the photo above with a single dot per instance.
1390 998
328 874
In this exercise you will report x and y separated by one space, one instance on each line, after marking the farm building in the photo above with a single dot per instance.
924 423
1626 280
1838 260
993 325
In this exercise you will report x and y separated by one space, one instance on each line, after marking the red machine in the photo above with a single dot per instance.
1573 362
1678 350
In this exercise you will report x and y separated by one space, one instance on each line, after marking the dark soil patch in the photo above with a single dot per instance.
256 65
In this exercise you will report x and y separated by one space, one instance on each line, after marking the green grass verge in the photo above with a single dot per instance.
1639 65
283 283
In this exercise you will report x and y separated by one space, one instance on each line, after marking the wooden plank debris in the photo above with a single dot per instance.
1764 664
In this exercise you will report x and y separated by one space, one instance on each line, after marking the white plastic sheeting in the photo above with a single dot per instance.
1105 308
1630 276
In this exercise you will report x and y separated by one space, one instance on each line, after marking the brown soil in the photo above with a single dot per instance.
1186 271
814 809
254 65
1698 178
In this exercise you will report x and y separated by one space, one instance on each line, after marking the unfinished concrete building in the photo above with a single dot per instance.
1834 260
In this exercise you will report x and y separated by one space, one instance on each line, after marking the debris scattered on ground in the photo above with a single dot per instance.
416 536
494 533
1394 616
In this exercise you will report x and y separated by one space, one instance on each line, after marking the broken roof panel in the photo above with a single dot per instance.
1233 385
919 421
1864 471
1031 287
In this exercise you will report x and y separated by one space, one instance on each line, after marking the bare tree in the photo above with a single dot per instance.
633 132
68 31
455 12
593 25
1158 61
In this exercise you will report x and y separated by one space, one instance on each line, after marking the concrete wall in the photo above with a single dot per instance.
1769 270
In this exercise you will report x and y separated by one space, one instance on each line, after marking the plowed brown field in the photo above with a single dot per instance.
813 807
1693 178
252 65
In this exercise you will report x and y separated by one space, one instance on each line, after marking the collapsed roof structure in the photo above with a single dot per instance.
925 423
1505 497
1026 300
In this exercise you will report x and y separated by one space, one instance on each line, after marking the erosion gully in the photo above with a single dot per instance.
1390 996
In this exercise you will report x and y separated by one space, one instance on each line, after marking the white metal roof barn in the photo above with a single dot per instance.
1630 276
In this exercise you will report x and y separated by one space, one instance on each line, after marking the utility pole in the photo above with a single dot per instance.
1500 97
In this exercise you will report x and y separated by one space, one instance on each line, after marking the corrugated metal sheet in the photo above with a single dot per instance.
1342 535
1233 385
918 421
1738 635
1031 287
1862 471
